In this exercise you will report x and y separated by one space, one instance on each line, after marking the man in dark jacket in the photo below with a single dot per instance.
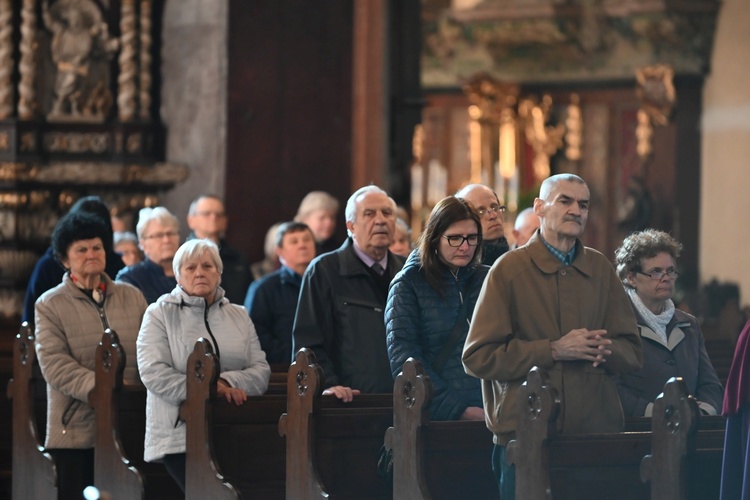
343 295
272 300
492 213
207 219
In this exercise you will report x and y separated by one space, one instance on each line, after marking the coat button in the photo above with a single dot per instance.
564 272
671 362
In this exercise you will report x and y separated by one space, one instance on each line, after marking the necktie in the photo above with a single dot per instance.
377 268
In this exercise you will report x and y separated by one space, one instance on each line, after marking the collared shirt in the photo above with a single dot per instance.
566 258
369 261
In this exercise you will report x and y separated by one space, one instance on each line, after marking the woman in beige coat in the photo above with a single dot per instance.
70 320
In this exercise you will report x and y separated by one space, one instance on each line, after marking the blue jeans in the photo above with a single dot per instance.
504 472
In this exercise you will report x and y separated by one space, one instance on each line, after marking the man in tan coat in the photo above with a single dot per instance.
559 305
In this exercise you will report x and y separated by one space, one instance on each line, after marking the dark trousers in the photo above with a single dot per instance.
504 472
175 464
75 471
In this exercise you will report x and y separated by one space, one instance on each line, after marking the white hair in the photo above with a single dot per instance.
159 214
194 249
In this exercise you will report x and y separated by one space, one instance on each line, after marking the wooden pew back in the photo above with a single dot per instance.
449 459
612 465
332 447
34 474
232 451
113 470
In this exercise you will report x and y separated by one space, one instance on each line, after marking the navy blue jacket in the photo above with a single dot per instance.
418 322
272 303
149 278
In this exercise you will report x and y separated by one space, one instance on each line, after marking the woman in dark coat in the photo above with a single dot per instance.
425 302
673 345
735 470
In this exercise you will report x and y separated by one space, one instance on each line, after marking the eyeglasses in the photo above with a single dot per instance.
493 209
159 236
659 275
456 240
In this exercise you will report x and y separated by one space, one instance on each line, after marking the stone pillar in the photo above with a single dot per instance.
194 100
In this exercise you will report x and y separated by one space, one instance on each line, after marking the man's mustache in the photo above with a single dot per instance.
573 218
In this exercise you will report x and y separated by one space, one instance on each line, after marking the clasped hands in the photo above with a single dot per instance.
583 344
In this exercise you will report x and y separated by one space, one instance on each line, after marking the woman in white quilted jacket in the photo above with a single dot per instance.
171 326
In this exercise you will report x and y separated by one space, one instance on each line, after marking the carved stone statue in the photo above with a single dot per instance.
80 45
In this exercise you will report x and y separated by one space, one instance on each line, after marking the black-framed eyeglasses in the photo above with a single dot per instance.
456 240
494 209
659 275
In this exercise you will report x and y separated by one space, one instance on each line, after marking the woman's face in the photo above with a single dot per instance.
86 258
654 292
460 256
322 223
401 244
199 277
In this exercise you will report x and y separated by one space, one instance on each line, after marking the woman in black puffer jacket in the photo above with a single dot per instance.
425 301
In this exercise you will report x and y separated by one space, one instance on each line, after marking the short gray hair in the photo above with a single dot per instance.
160 214
350 212
193 249
549 184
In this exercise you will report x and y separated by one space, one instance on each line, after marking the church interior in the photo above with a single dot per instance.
262 102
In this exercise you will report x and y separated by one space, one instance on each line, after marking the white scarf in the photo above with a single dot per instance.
657 322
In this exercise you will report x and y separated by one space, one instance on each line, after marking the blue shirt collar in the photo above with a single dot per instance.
565 258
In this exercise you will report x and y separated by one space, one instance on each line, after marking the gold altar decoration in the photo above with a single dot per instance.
493 135
544 139
656 92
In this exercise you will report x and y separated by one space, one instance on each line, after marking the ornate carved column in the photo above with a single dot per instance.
6 63
27 65
126 79
144 96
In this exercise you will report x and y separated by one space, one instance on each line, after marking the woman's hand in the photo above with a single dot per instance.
345 394
472 413
232 395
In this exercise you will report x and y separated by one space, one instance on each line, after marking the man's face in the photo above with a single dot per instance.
160 242
526 229
297 248
485 200
565 211
209 220
375 222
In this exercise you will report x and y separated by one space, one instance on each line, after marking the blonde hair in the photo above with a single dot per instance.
316 200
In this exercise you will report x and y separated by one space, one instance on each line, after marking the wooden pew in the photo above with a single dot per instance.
435 460
34 474
549 465
232 451
114 472
332 447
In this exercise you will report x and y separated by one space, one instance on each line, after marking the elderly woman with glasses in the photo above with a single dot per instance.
430 304
195 308
159 237
673 344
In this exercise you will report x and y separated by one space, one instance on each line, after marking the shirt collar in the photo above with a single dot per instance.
565 258
369 261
